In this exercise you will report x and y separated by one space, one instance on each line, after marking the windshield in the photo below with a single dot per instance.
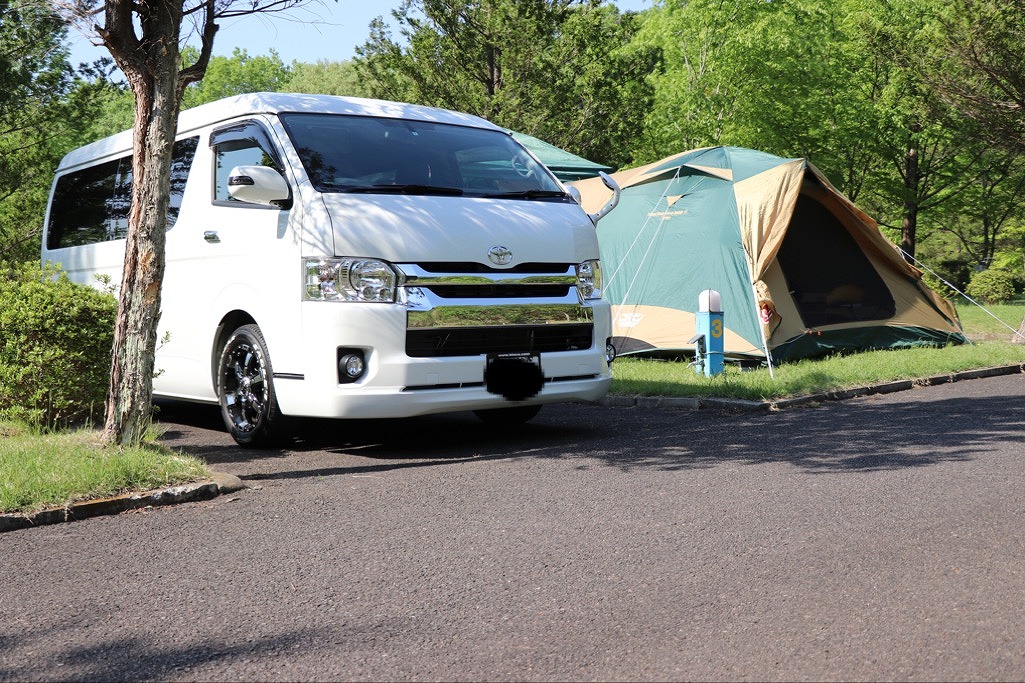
361 154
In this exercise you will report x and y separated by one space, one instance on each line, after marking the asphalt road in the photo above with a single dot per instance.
875 539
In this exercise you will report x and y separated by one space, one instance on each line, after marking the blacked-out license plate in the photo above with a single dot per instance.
516 376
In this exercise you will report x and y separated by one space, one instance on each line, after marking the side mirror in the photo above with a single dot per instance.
258 185
575 193
611 204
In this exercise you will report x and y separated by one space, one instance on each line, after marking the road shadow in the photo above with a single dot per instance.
199 430
133 658
856 436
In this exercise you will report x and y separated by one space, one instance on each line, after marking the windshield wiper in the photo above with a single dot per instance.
405 189
526 194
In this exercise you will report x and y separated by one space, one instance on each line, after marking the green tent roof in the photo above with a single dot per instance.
565 165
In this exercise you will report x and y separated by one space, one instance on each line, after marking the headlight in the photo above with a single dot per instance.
589 279
349 279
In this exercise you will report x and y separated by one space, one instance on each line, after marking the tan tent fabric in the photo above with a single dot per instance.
765 204
668 327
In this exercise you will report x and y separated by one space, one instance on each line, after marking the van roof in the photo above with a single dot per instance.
275 103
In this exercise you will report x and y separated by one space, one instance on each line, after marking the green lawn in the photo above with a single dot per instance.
996 323
38 471
991 348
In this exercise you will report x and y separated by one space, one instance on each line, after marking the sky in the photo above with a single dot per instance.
325 30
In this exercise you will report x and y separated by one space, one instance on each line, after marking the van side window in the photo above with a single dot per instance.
92 204
241 144
181 163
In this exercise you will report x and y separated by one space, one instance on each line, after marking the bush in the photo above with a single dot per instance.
956 272
991 286
55 341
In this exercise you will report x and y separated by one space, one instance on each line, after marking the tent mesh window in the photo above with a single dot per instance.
829 277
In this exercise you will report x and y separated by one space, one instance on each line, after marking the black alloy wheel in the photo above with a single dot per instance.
245 389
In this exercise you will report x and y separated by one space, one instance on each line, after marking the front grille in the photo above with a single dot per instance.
499 291
471 341
467 267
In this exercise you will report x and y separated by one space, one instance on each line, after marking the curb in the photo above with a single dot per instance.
218 484
748 406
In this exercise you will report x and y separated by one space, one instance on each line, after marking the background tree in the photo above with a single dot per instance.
326 78
555 69
145 40
980 217
802 78
983 64
693 93
43 104
235 75
979 68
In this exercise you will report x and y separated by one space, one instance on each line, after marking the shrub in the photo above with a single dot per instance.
991 286
947 277
55 341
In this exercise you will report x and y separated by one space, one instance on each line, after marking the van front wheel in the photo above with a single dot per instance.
245 389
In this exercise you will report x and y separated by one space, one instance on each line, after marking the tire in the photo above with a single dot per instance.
508 416
245 390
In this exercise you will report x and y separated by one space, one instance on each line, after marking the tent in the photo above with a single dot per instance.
565 165
801 270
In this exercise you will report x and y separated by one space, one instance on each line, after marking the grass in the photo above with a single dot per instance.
997 323
43 470
991 348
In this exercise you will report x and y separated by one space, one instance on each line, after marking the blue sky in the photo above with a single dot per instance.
321 30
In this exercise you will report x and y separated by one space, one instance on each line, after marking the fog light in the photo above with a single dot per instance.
351 365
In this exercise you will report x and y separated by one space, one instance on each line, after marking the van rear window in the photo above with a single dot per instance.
361 154
92 204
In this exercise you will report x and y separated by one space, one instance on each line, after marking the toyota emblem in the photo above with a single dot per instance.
499 255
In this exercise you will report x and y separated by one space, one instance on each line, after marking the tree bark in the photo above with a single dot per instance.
909 223
151 68
144 39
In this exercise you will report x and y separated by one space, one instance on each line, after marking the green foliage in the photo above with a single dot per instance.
113 111
840 84
236 75
326 78
991 286
948 273
55 342
979 65
43 105
555 69
985 213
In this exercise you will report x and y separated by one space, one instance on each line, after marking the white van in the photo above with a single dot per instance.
351 258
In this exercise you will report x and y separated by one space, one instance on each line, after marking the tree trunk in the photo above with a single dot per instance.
130 394
909 224
152 74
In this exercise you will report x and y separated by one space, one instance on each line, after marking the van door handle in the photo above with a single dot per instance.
211 236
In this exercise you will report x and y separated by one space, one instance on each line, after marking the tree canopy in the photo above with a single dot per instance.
913 108
560 70
44 105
